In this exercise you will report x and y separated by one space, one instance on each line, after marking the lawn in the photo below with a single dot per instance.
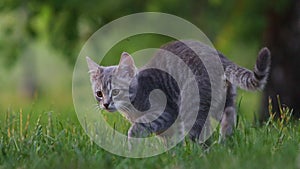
49 139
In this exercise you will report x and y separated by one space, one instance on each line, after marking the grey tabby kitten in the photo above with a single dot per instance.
141 82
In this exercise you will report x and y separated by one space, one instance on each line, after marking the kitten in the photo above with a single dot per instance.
113 84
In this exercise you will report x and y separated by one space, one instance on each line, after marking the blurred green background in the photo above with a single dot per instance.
40 41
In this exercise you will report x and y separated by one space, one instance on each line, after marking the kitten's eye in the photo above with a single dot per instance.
99 94
115 92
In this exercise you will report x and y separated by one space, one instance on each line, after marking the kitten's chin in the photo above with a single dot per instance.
111 110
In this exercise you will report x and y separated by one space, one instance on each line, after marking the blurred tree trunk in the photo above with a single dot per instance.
283 39
29 80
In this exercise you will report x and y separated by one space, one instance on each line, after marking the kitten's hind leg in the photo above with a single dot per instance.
228 120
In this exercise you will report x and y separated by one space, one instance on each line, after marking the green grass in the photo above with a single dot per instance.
38 139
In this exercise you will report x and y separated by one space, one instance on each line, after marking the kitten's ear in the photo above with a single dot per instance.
126 65
126 60
94 69
93 66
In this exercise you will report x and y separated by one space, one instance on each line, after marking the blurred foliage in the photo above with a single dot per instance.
44 31
67 24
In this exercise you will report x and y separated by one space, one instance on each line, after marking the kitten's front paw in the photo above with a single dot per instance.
129 143
138 130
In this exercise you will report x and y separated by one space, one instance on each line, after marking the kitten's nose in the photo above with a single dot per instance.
106 105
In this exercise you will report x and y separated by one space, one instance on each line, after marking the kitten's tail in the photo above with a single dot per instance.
247 79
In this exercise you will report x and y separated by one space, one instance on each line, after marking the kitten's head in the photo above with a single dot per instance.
110 84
